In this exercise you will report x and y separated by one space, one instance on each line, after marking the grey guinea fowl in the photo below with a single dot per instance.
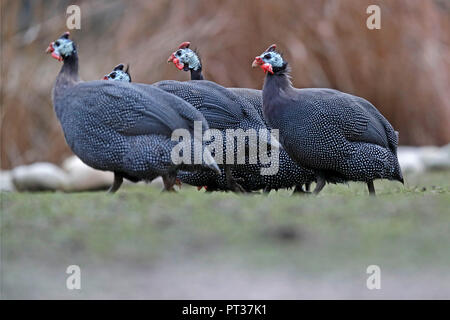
340 136
188 59
210 181
225 110
290 174
114 126
219 116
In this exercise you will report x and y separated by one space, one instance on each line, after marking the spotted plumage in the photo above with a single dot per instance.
119 74
290 174
114 126
232 109
340 136
209 180
223 110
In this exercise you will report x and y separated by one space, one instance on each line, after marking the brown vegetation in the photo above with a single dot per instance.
404 68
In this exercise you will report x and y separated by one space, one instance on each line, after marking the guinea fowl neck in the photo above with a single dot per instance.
276 84
68 75
276 87
196 74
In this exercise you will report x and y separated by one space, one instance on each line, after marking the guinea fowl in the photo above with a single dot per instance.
340 136
225 110
119 74
222 118
189 60
292 174
114 126
208 180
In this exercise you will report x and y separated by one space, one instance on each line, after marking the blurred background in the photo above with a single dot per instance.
142 243
403 69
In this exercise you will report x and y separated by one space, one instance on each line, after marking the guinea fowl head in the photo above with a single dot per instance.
270 61
185 59
119 74
62 48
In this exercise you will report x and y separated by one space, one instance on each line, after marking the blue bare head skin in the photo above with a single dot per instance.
119 74
62 48
185 58
273 58
270 60
189 58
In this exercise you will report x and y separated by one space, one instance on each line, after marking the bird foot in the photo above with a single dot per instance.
118 180
299 190
235 185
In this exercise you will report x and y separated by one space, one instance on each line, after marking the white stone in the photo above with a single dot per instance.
6 183
410 159
38 176
435 158
81 177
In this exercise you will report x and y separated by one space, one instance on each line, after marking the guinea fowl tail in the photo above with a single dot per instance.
273 142
400 178
399 174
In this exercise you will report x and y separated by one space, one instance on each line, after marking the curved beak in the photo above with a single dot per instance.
257 62
172 56
50 48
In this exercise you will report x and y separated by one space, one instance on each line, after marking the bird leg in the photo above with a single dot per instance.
231 182
307 186
371 188
319 185
169 181
118 179
298 190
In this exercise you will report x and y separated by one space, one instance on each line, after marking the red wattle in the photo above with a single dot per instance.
56 56
267 67
177 64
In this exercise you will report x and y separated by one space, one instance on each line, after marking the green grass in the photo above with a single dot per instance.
404 227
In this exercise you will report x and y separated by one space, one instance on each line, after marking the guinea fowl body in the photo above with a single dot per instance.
253 96
114 126
119 140
289 174
223 109
340 136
